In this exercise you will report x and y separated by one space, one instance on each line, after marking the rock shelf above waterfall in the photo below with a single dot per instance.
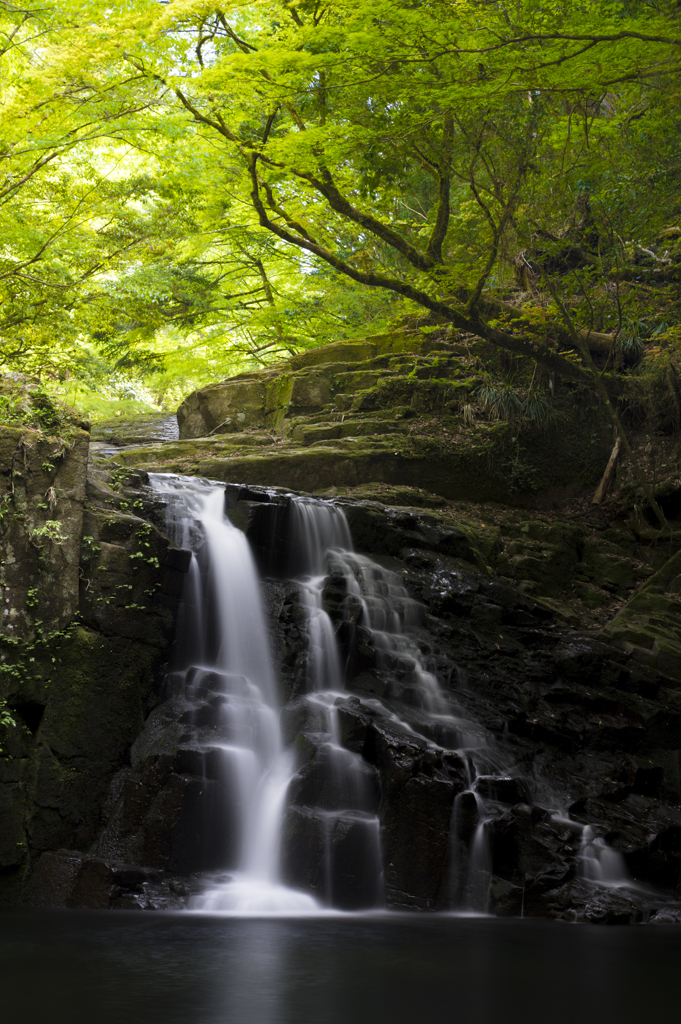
398 409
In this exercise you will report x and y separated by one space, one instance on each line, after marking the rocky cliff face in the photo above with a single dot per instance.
581 736
88 595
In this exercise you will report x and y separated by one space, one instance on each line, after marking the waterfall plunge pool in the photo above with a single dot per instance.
82 967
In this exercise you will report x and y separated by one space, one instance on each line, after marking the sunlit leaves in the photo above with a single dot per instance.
129 234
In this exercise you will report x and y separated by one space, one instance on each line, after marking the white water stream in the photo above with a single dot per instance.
378 600
226 638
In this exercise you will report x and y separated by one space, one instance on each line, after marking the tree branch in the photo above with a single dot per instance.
520 345
439 232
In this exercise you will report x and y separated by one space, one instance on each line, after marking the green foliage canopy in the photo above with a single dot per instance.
197 186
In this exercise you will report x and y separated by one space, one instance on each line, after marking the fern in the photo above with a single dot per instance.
519 407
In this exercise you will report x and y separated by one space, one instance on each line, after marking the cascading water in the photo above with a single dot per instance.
224 656
600 863
223 672
376 600
317 531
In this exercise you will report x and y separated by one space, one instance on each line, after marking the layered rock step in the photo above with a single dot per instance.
397 409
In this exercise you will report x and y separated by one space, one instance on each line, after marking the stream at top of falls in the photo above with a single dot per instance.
223 667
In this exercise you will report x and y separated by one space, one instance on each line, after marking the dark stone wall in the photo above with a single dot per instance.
88 604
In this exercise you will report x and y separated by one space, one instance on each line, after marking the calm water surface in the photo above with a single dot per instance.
89 967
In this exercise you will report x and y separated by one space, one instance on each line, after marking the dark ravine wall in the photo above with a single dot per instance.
89 590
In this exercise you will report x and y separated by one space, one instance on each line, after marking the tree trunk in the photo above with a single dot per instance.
603 486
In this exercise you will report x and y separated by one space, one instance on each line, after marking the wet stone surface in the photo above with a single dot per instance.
542 778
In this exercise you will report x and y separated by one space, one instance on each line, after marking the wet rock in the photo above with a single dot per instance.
53 879
418 789
303 862
506 899
99 884
301 716
333 856
581 901
355 863
503 789
336 779
204 836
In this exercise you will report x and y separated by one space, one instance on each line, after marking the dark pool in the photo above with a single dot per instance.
123 968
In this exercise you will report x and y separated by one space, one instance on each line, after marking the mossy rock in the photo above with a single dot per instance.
387 494
611 571
25 401
550 565
405 394
590 596
648 625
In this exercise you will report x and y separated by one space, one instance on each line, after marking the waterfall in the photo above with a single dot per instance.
600 863
374 599
224 667
320 536
254 785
